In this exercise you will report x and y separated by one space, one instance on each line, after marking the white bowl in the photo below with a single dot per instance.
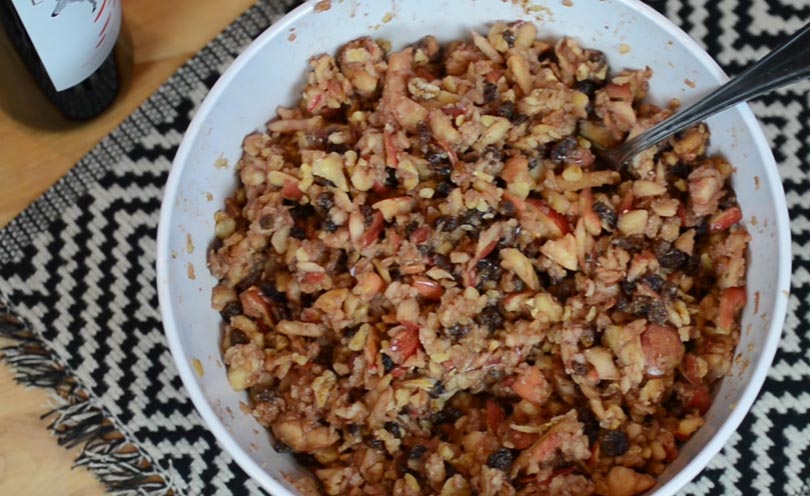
272 71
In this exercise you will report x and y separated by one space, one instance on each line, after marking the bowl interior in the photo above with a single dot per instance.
271 72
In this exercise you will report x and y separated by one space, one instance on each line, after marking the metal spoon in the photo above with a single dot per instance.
787 63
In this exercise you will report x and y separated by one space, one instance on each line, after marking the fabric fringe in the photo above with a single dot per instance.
77 421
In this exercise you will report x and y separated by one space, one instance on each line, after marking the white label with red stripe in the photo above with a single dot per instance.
72 37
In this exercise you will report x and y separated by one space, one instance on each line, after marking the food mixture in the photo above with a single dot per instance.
431 285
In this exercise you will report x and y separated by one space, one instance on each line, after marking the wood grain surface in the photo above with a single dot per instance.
37 147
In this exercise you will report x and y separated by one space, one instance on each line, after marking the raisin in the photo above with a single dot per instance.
597 57
674 405
627 287
457 331
493 153
728 201
630 243
507 208
436 157
232 309
506 110
375 443
657 312
394 429
420 479
440 164
307 300
670 289
368 214
494 376
298 232
488 270
588 337
501 460
252 278
410 228
637 306
391 180
654 281
517 285
323 182
447 223
280 447
337 147
437 390
563 289
238 337
702 229
587 86
324 357
263 394
562 149
680 170
269 290
306 460
388 363
354 429
614 443
441 261
490 91
651 308
447 415
329 226
316 140
472 218
443 190
606 214
509 238
325 201
692 266
671 258
351 331
491 318
266 222
508 37
216 245
416 452
424 134
590 425
579 368
519 119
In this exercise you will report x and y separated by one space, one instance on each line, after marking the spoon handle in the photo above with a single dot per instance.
787 63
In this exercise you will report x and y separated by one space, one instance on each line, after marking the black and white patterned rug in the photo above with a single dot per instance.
77 283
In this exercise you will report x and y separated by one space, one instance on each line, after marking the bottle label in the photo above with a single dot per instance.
72 37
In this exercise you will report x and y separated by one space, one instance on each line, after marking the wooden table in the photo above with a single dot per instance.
38 148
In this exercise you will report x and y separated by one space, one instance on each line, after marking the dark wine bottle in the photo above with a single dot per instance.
67 45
